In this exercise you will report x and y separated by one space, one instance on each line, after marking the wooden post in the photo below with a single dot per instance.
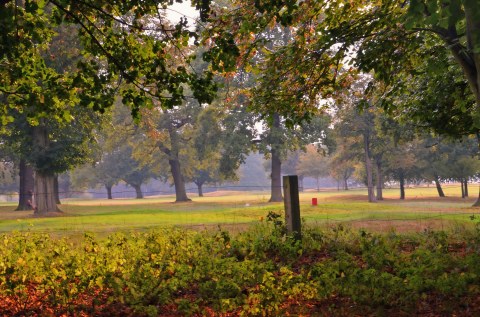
292 205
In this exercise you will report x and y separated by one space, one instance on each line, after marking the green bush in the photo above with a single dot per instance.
259 272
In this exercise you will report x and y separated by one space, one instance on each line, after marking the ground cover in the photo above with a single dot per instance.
261 271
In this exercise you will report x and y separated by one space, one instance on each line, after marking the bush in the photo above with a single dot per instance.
260 272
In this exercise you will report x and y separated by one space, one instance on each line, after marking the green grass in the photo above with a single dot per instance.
237 209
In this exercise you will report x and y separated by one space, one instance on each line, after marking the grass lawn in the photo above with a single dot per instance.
235 210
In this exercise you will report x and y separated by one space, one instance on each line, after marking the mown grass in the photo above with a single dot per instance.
236 210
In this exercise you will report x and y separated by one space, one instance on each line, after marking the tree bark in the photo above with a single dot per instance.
138 191
276 183
173 161
300 183
402 184
439 186
44 197
276 176
368 168
109 191
346 176
26 186
465 185
477 202
56 189
179 183
469 59
45 201
200 189
463 188
379 183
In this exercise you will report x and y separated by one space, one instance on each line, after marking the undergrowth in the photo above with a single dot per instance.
260 272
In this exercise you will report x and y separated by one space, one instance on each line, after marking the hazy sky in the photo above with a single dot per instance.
177 10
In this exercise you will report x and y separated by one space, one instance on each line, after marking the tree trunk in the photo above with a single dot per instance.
402 184
109 191
378 166
200 189
179 183
26 187
465 184
477 202
44 180
368 168
138 191
439 187
57 192
276 182
276 176
45 201
470 62
463 188
345 180
300 181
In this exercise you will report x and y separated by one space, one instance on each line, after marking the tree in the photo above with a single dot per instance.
388 37
461 163
113 158
103 172
129 42
13 162
134 173
8 177
341 166
26 186
219 143
51 147
42 121
402 163
165 135
388 29
121 160
118 46
346 152
434 151
277 140
356 120
289 167
313 163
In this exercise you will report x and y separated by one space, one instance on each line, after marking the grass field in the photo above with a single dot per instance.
235 210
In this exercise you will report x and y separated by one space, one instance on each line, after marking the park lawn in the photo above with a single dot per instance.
237 210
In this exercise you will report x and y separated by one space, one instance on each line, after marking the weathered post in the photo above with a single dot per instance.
292 205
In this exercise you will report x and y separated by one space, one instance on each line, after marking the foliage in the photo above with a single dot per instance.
119 43
113 159
312 163
256 273
8 177
410 47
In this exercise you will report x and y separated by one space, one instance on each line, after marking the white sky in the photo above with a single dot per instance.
178 10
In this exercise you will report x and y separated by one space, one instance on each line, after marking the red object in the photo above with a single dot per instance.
314 201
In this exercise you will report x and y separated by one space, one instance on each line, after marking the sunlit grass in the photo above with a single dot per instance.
242 208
